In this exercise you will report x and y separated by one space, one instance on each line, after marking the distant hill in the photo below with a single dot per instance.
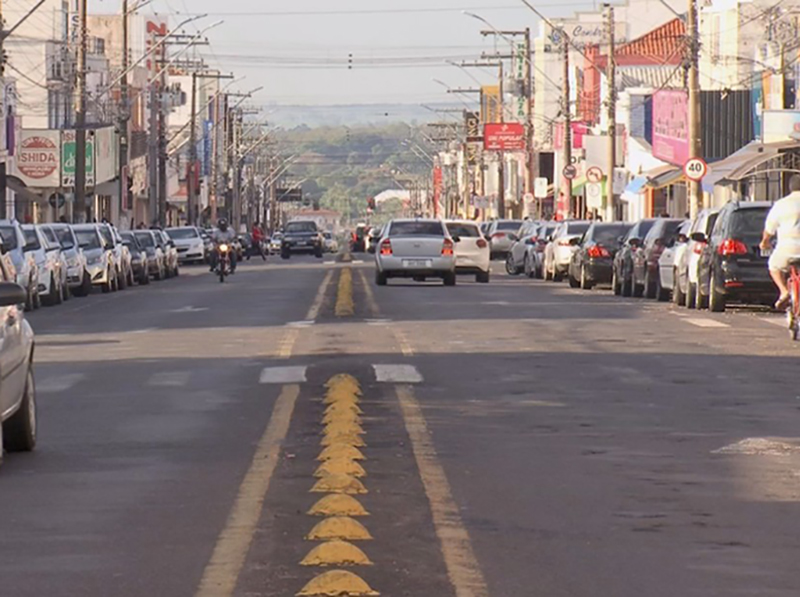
352 115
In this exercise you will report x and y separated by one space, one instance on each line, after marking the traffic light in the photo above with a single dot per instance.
371 203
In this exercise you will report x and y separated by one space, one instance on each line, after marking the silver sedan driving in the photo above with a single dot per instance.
417 249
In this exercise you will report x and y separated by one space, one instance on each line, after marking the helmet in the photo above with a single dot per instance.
222 224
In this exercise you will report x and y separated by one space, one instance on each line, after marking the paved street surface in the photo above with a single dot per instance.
522 439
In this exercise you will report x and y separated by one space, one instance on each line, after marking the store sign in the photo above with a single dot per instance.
505 136
490 103
780 125
520 72
107 164
68 154
38 162
583 34
671 126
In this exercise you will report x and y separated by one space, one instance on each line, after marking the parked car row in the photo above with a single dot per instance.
708 262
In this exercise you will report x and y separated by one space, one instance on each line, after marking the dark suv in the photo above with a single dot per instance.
622 271
731 265
645 258
591 264
301 237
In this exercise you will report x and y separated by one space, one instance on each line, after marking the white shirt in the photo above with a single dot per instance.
784 220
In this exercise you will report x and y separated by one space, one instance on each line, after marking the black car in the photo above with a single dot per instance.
301 237
731 265
622 271
646 279
592 263
139 263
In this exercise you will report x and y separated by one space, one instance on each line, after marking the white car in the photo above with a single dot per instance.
330 243
99 258
502 234
120 254
417 249
54 245
471 248
671 255
21 264
78 279
190 245
687 267
558 252
275 243
48 264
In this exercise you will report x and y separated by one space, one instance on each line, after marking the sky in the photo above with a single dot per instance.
299 51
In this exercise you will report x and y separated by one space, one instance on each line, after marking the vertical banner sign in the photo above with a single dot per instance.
671 126
474 137
208 127
68 153
437 189
522 92
490 103
155 30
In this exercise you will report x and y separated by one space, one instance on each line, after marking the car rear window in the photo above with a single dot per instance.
182 233
416 229
464 230
748 222
512 225
578 228
609 233
301 227
145 239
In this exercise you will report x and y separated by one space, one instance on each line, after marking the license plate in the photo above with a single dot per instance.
416 263
302 243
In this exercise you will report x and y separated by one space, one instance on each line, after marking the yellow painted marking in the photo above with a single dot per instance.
313 311
337 583
336 553
345 307
339 527
341 416
462 565
340 451
338 504
343 427
344 405
342 378
339 483
222 571
372 304
340 466
287 343
402 341
340 395
344 439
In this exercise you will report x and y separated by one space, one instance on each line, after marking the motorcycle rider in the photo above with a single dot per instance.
223 234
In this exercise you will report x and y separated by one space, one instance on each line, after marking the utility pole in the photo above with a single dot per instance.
79 212
567 126
124 113
162 149
501 168
3 182
153 150
695 149
611 212
533 162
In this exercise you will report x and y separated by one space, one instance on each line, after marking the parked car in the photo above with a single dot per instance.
471 249
54 245
99 257
275 243
78 279
686 274
645 258
330 243
534 256
170 251
561 246
672 254
301 236
593 260
622 271
156 262
48 264
120 254
502 234
18 415
417 249
518 254
22 265
189 243
139 261
732 268
208 244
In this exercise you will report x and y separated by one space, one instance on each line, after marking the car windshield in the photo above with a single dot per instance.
748 222
65 238
88 239
608 233
9 237
129 239
463 230
301 227
511 225
31 239
50 236
327 235
578 227
416 229
145 239
107 236
182 233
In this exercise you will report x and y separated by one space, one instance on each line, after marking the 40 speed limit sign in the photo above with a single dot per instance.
695 169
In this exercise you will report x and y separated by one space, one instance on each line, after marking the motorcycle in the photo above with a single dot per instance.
223 261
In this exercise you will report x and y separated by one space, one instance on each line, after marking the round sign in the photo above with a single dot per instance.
594 174
570 172
38 157
57 200
528 198
695 169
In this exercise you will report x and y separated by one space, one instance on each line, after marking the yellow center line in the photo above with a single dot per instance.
287 343
344 296
462 565
222 571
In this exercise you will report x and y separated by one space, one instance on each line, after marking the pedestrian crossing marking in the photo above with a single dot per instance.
283 375
397 374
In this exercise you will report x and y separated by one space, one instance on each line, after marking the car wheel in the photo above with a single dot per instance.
58 297
573 281
662 294
701 300
37 298
511 269
546 273
649 289
627 287
528 268
716 299
482 277
381 278
131 277
19 432
450 279
122 280
586 283
615 285
691 296
678 296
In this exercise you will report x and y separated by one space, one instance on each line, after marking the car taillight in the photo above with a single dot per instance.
698 248
563 243
386 247
447 247
498 235
598 251
481 243
732 246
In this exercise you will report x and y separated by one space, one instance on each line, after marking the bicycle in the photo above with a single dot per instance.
793 310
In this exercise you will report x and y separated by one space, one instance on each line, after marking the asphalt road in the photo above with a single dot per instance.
522 439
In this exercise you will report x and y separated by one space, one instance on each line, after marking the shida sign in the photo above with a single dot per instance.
38 162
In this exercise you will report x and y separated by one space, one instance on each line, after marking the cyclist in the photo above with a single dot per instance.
783 221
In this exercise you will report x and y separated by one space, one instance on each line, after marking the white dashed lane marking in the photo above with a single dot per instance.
169 379
283 375
397 374
705 323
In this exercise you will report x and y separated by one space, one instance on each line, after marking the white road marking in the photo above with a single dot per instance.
144 331
705 323
189 309
313 311
378 321
357 261
59 384
300 324
169 379
283 375
779 321
397 374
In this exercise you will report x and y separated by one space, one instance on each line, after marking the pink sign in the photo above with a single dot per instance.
579 129
671 126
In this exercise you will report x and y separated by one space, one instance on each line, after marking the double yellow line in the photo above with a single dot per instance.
339 476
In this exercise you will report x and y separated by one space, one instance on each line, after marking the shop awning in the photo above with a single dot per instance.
741 164
16 185
636 185
663 176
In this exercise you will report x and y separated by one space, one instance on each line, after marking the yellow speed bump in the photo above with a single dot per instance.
343 407
343 428
342 379
341 395
336 553
340 466
344 297
338 504
340 451
337 583
339 527
341 416
344 439
339 484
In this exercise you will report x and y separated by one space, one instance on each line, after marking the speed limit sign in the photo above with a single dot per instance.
695 169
